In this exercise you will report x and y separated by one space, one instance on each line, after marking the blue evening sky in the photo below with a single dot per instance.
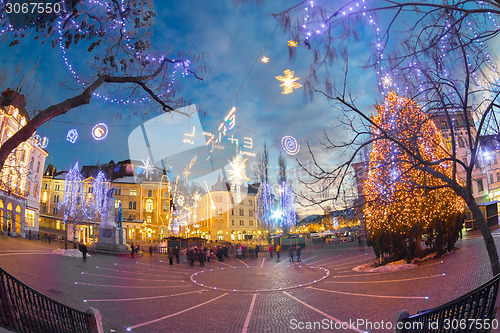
230 39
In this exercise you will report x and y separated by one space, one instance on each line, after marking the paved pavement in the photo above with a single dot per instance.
260 295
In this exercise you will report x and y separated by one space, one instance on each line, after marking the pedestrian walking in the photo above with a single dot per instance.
290 253
176 253
278 248
257 251
299 253
30 234
171 256
270 251
150 250
201 257
84 252
191 256
49 237
132 250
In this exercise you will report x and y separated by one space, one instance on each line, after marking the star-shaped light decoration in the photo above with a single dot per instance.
196 196
292 43
264 60
237 175
147 168
288 82
386 81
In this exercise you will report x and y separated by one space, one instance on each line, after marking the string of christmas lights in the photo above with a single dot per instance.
398 202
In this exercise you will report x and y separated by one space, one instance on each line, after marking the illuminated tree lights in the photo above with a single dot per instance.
286 204
265 202
402 202
288 82
73 202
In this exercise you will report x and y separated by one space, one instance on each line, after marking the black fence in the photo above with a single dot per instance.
23 309
473 312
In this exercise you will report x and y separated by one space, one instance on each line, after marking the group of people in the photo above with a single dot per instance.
225 252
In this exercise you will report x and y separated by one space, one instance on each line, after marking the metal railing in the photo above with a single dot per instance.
23 309
473 312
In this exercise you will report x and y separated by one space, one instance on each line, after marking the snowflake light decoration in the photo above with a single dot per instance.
237 175
288 82
292 43
264 60
148 169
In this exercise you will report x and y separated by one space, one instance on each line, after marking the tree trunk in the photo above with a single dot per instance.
488 238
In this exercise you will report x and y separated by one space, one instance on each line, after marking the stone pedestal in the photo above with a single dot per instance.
111 240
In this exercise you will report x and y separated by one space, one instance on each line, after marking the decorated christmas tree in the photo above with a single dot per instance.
405 206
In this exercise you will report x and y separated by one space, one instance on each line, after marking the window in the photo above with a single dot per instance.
31 162
165 194
150 193
46 186
480 186
165 206
35 192
232 211
118 191
56 199
250 223
133 192
44 209
38 167
134 205
149 205
90 190
28 188
242 212
491 179
30 218
498 176
242 223
232 222
250 202
57 187
130 205
250 213
54 211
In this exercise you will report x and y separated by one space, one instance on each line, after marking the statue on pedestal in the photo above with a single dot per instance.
119 216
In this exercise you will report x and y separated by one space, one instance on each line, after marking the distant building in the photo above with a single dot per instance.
219 218
20 178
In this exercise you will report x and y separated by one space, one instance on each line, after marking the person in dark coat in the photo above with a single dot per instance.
290 253
257 251
171 256
84 252
201 257
270 251
132 249
176 253
191 256
299 253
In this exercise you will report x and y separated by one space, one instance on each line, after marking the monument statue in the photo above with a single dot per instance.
119 216
109 216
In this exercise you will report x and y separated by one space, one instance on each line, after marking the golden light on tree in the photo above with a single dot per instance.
288 82
401 198
292 43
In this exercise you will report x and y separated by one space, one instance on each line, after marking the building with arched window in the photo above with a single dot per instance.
21 175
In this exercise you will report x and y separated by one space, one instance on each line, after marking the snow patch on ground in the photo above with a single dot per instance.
75 253
390 267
